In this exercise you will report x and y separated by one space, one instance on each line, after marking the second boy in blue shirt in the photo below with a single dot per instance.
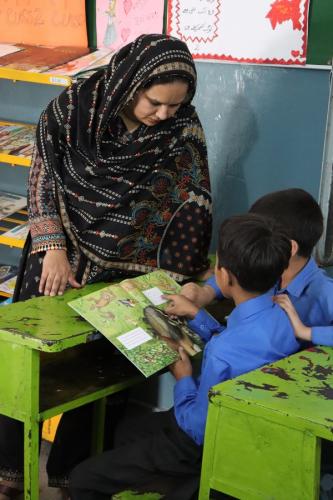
305 291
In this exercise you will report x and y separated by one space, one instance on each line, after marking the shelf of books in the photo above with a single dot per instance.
7 280
13 232
27 76
16 143
49 66
13 219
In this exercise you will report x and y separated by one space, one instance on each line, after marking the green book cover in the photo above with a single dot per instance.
131 315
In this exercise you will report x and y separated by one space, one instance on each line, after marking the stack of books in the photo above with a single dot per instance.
13 219
7 280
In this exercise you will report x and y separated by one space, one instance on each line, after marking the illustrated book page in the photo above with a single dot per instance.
131 315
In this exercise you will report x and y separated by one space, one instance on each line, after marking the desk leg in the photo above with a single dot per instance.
98 423
208 451
31 427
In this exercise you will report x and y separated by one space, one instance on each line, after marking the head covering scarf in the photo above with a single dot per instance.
139 205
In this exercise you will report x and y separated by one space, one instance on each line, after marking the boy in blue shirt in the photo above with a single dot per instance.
305 291
252 254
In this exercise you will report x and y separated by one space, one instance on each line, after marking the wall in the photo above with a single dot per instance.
265 130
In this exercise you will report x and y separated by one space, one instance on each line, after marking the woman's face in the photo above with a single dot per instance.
158 102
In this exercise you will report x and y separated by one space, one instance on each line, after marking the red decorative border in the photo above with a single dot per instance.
195 38
229 58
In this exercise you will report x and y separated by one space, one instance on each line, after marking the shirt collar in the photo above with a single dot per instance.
251 307
301 280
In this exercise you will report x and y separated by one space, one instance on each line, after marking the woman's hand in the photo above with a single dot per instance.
179 305
181 368
56 273
301 331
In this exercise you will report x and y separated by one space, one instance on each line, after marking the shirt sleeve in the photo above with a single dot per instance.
45 224
212 283
322 335
191 398
205 325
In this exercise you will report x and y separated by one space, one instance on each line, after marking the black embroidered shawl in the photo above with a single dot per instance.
140 205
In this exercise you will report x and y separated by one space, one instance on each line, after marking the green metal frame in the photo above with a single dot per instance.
47 325
264 430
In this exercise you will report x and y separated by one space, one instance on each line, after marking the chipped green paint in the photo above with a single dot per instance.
46 323
35 385
264 429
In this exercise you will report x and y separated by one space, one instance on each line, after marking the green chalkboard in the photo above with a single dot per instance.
320 42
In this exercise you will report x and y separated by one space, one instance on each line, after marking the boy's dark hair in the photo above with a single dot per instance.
299 214
254 249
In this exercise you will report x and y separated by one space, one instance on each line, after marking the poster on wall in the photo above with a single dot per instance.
252 31
43 22
119 22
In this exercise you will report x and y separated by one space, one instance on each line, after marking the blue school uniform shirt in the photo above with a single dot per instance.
311 293
257 332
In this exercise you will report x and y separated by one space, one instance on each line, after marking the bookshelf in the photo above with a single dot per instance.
24 95
16 143
33 77
15 221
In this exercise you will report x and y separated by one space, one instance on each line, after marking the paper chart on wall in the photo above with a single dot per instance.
265 31
119 22
44 22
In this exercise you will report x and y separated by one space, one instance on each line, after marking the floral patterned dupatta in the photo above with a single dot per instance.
137 204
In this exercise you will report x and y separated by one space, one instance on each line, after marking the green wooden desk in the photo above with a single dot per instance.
264 430
41 374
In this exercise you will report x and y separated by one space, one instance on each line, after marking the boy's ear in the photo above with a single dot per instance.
229 276
224 276
294 248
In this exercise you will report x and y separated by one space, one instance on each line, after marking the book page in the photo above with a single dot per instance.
130 315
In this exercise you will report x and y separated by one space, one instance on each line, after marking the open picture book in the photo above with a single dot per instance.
130 314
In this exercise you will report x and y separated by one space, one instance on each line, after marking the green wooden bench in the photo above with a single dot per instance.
42 374
265 428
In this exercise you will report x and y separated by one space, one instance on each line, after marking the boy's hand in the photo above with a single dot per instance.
180 306
301 331
181 368
200 295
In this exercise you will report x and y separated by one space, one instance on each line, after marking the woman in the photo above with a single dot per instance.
119 184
